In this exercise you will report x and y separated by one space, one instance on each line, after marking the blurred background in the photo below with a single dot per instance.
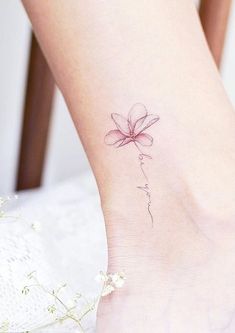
65 157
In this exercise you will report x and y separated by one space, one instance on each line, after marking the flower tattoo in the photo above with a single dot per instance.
132 130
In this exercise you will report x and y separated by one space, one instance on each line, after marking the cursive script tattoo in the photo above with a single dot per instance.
132 130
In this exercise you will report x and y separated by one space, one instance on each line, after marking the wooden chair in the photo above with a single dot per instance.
214 16
37 113
40 91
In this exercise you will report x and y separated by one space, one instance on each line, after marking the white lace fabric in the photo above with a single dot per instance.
70 248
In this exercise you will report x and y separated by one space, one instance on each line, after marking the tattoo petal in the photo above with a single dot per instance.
121 123
148 121
125 142
113 137
144 139
137 115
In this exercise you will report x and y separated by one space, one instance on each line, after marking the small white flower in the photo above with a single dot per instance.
36 226
108 289
25 290
110 282
102 277
2 213
1 201
51 308
4 326
77 297
118 279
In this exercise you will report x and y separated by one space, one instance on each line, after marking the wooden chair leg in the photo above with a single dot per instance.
214 18
37 112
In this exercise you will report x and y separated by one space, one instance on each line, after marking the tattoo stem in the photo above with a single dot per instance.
146 187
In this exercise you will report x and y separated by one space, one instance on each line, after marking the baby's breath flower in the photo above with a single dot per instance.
2 201
102 277
31 275
118 279
2 213
108 289
61 310
25 290
77 296
36 226
51 308
4 326
110 282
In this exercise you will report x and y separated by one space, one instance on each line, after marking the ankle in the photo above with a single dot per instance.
134 246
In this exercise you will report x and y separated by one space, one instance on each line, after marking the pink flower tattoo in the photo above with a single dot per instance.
132 130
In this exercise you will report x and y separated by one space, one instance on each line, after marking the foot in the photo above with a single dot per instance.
180 272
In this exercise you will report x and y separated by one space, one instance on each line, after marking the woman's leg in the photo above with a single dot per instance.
170 218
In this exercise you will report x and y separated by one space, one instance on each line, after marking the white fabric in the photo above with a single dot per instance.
69 248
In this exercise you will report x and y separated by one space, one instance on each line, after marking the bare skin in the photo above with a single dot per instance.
106 56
